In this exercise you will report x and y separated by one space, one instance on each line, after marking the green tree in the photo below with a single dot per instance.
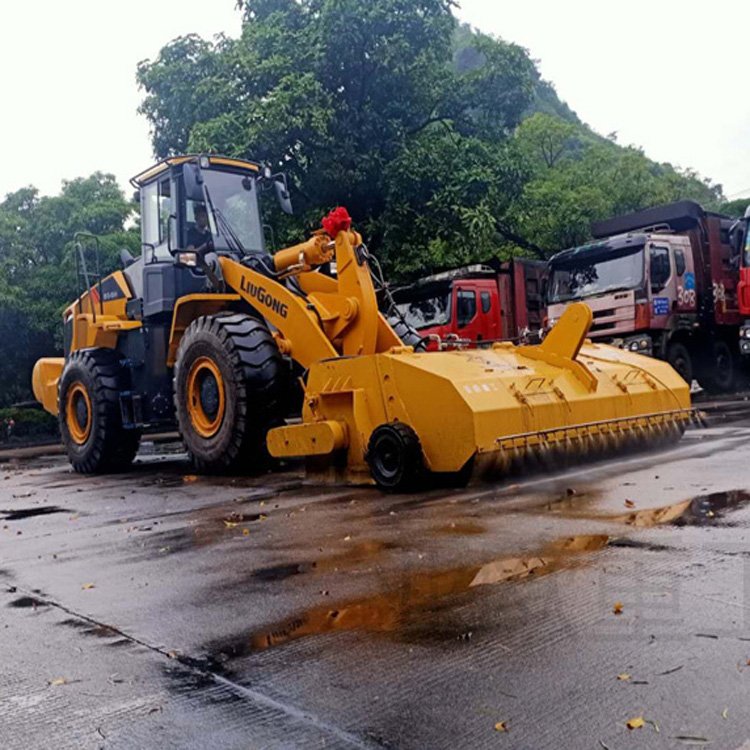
354 100
37 268
443 142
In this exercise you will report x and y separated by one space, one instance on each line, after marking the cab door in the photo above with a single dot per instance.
467 324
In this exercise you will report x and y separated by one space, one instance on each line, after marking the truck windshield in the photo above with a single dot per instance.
426 310
595 272
234 198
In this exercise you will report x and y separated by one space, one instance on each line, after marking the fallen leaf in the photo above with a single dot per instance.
58 681
617 608
86 586
501 726
636 723
629 504
623 676
172 654
710 514
347 538
725 713
230 524
245 532
189 478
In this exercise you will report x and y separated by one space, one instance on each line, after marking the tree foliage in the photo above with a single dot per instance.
37 268
444 143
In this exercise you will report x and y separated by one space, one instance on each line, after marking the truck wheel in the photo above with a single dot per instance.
230 386
395 458
678 355
89 412
723 373
408 334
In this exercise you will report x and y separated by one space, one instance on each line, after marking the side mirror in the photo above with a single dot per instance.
193 179
282 194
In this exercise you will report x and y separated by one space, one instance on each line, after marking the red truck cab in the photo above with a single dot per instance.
477 304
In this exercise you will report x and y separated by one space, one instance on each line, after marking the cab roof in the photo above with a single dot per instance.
213 159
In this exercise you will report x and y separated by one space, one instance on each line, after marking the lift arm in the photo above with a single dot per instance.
332 317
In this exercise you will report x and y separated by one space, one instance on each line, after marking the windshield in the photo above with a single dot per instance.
595 272
234 198
426 311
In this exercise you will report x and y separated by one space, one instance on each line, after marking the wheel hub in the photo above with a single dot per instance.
78 413
205 397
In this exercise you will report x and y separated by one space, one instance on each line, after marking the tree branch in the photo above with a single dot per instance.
520 241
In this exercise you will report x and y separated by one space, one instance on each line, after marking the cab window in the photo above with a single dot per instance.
486 302
660 268
150 214
679 261
466 307
157 218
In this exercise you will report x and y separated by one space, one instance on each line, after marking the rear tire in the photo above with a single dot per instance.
89 413
230 388
395 458
724 371
678 355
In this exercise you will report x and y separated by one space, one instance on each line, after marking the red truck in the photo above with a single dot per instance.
663 282
740 240
482 303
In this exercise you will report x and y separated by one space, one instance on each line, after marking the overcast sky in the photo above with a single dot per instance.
668 76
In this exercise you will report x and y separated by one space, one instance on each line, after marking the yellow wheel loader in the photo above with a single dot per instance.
254 355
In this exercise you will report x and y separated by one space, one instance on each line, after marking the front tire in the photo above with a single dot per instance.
395 458
89 413
230 388
678 355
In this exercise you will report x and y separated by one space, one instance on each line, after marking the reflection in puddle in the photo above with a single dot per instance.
698 511
707 508
417 594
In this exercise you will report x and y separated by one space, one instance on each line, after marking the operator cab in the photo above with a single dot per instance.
191 208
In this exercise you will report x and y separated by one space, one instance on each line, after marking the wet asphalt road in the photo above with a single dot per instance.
162 610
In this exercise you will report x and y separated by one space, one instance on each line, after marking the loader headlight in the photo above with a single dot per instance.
187 259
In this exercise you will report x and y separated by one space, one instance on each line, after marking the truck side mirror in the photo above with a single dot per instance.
282 194
193 179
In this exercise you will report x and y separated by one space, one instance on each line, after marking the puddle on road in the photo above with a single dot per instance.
359 553
460 528
408 601
698 511
706 509
19 514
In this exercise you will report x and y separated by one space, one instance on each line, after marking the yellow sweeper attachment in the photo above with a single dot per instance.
394 415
